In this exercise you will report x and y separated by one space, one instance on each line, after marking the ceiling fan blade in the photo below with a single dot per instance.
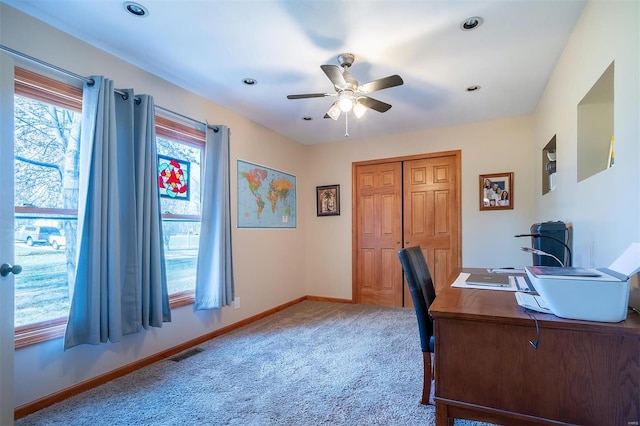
335 75
382 83
308 95
374 104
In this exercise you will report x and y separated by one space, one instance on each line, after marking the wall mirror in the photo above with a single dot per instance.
595 127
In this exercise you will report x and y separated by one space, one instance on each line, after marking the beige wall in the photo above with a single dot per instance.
275 266
268 263
604 209
487 236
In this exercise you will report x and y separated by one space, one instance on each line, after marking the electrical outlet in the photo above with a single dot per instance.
236 303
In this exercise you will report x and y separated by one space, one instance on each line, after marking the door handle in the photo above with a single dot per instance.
6 269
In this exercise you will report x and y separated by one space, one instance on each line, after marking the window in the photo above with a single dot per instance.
47 120
180 213
47 117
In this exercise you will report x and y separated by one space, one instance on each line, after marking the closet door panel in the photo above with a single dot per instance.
378 234
431 213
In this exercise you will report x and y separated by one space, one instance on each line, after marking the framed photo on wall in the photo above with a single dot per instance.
496 191
328 200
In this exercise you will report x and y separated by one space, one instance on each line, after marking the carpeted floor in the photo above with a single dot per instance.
315 363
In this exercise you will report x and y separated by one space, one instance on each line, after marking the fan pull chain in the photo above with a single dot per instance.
346 124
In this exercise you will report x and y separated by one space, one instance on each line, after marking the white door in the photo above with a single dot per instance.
7 345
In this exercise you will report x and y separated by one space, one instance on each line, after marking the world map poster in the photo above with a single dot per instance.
266 197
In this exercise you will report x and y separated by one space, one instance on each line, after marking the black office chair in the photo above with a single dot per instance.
423 293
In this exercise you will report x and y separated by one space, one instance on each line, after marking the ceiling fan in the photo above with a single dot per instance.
352 96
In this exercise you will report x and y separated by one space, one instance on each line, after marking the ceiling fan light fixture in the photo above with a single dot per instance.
359 109
351 95
346 101
334 111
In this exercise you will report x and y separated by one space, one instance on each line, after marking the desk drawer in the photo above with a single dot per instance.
573 376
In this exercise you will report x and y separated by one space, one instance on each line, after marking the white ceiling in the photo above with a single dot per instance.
209 47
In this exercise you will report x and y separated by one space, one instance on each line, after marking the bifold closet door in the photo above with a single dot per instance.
378 222
405 202
431 214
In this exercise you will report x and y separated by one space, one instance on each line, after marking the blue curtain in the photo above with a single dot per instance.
214 276
120 282
154 295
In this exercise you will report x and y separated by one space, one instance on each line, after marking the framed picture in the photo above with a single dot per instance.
496 191
174 178
328 200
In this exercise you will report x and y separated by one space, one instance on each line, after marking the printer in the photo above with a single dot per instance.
584 294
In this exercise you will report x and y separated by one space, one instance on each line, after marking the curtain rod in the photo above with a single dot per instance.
90 82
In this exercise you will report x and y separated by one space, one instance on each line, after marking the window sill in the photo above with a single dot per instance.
48 330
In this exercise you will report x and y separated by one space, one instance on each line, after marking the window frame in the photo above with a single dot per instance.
45 89
178 132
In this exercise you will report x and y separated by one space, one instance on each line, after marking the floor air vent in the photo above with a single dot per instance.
186 354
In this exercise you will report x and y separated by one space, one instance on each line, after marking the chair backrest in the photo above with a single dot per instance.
422 291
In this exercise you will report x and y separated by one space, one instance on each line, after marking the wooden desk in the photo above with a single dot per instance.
582 372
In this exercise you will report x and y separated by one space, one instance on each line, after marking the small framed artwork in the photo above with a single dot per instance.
174 178
328 200
496 191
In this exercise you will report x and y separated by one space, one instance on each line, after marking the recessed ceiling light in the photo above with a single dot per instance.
471 23
249 81
307 118
135 9
473 88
